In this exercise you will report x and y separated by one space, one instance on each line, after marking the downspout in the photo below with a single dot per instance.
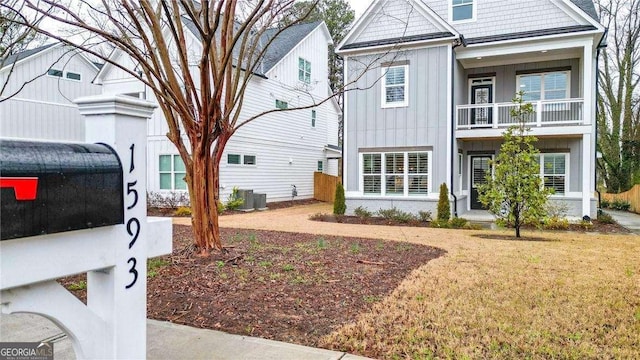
595 155
456 43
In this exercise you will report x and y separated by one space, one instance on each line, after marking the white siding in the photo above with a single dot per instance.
44 108
286 146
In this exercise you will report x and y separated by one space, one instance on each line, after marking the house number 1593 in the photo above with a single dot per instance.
133 224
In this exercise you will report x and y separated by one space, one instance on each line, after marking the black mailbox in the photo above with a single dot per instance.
54 187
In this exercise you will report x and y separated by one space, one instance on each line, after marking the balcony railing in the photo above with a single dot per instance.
498 115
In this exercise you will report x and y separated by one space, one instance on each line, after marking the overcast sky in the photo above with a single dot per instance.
359 6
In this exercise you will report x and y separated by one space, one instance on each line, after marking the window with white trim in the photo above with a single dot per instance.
304 71
395 86
238 159
418 173
396 173
233 159
460 157
281 104
372 173
55 72
553 170
73 76
462 10
545 86
313 118
320 167
172 173
249 159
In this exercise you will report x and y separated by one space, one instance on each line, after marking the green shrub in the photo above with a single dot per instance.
397 215
362 212
425 216
458 222
444 224
234 201
586 225
220 207
556 223
604 204
444 208
182 211
339 203
621 205
605 218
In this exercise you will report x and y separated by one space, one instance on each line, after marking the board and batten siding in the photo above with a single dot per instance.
44 108
423 123
498 17
505 86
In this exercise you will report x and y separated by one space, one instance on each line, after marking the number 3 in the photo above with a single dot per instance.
132 271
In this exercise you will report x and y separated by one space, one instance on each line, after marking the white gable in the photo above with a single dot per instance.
392 19
395 19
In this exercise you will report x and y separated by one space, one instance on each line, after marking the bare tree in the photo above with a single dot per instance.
618 119
200 89
15 37
200 94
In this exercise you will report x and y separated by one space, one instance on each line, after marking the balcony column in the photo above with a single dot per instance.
588 78
587 174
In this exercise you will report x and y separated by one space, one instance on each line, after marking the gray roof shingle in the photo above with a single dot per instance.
25 54
588 7
279 47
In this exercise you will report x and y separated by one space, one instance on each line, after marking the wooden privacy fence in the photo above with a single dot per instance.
632 196
324 186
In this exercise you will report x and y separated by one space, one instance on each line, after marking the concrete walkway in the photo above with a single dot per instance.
170 341
631 221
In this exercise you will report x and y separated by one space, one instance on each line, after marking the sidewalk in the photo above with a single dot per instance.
170 341
629 220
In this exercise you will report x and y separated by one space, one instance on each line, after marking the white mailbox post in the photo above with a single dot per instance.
113 323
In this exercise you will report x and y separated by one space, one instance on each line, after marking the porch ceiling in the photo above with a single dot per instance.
519 58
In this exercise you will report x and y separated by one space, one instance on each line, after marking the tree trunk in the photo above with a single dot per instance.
204 206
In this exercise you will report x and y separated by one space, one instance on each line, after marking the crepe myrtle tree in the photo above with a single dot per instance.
515 192
199 89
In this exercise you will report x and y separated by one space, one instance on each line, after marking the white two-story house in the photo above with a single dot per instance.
435 81
273 152
40 85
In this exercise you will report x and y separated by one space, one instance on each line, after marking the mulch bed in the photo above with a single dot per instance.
282 286
154 211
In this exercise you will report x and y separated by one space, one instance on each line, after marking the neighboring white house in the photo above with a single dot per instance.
274 152
439 98
53 76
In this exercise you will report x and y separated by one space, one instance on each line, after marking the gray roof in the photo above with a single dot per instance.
587 6
25 54
529 34
399 40
284 43
279 47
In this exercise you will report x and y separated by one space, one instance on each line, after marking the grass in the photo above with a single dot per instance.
154 264
575 297
80 285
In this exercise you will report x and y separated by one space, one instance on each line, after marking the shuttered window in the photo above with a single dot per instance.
372 173
419 173
394 86
396 173
554 172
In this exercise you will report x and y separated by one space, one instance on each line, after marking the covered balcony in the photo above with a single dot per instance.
499 115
